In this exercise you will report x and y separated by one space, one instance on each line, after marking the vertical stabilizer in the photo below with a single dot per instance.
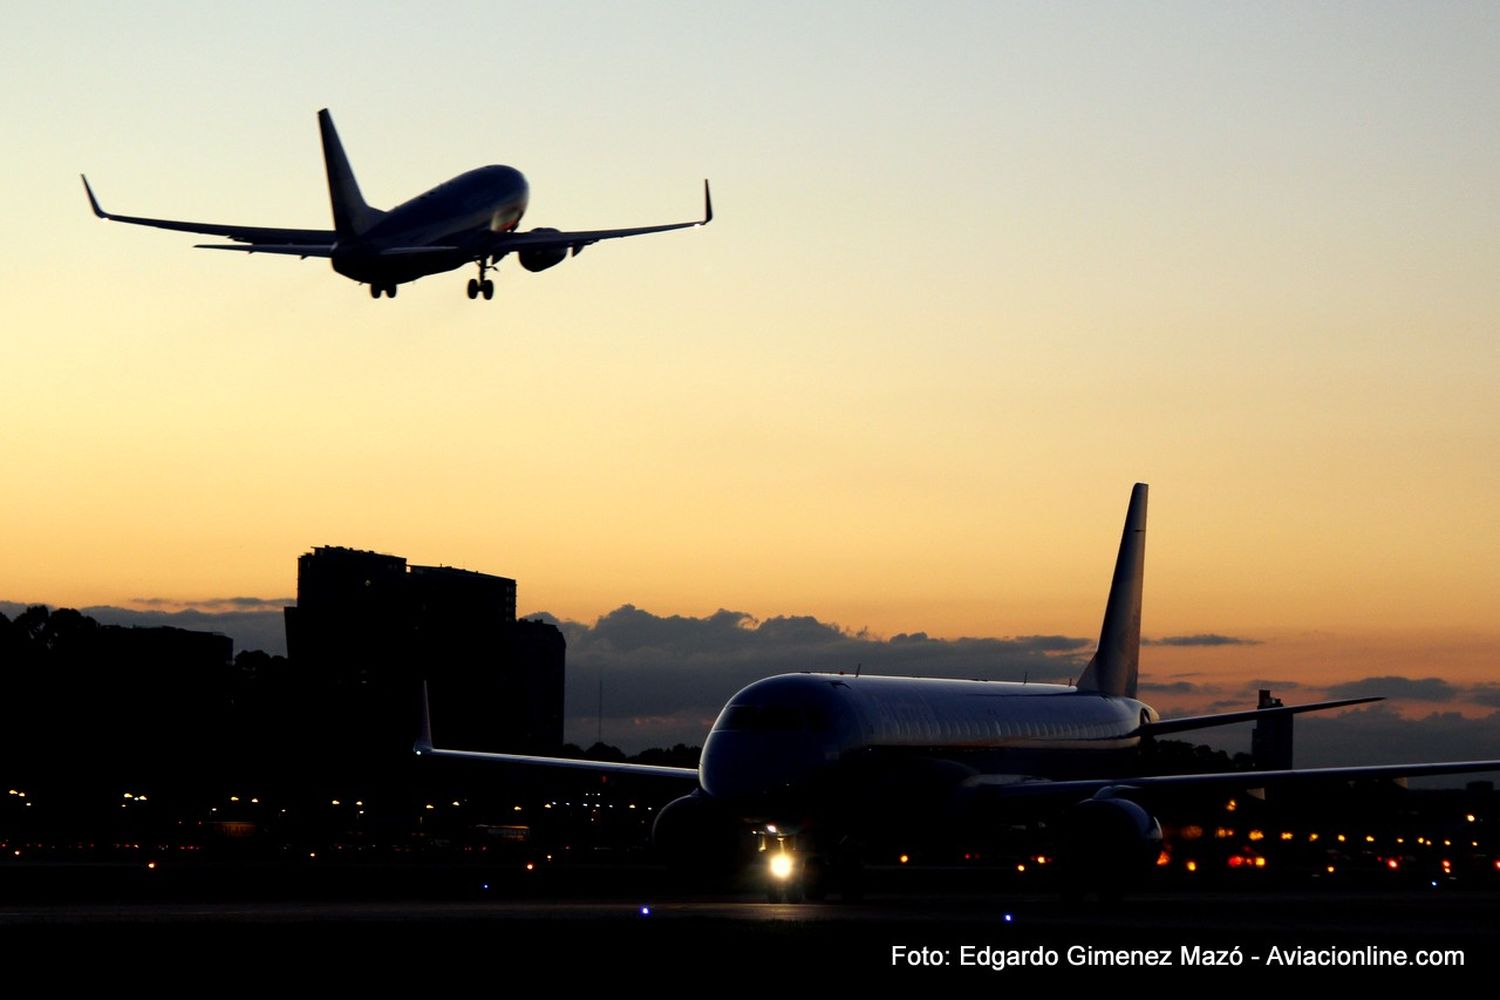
351 216
1115 665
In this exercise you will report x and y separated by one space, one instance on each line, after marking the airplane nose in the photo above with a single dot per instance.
753 767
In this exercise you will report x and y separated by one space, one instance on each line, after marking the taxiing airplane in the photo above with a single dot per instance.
822 761
470 219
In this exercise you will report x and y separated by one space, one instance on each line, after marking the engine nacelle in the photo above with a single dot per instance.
1108 845
697 832
541 258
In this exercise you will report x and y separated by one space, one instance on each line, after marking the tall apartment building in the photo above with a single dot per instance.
368 629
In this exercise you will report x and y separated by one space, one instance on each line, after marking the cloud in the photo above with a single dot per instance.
218 603
1201 639
262 629
1379 734
1271 685
1027 643
1417 689
666 677
1486 694
1052 643
1170 687
259 626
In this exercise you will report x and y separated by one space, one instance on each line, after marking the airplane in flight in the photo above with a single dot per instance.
822 762
470 219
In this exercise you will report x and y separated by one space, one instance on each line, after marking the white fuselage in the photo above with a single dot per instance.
782 738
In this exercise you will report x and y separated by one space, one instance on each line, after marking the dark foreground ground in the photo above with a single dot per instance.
505 933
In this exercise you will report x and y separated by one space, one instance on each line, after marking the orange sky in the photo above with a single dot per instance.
971 277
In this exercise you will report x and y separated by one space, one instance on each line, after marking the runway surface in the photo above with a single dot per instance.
914 936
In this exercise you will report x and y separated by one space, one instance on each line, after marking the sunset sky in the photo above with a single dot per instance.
977 268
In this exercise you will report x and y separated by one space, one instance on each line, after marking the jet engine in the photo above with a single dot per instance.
696 832
1108 844
541 258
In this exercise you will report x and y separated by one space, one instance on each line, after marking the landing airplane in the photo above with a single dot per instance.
821 761
470 219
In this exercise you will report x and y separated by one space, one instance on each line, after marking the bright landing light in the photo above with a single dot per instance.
781 865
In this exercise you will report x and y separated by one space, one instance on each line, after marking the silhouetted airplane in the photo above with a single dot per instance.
470 219
823 762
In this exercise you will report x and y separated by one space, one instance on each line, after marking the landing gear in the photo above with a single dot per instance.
482 285
377 290
792 875
785 892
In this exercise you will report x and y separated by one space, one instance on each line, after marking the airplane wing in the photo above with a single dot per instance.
576 241
1022 786
267 240
1190 722
292 249
597 766
1014 787
424 748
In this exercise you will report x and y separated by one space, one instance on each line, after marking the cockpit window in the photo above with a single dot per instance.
770 718
739 717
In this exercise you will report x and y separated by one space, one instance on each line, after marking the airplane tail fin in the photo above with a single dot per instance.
351 216
1116 664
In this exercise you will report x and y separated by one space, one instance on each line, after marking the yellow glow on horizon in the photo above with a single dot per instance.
920 421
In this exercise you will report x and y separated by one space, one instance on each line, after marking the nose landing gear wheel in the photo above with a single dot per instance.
487 288
785 892
473 288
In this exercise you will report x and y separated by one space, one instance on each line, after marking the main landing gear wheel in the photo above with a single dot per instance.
481 285
378 290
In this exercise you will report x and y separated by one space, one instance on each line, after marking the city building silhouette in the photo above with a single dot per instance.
368 629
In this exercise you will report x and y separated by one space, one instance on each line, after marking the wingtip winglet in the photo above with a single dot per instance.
93 202
708 205
424 735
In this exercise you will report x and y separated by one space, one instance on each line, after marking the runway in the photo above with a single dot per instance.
908 936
